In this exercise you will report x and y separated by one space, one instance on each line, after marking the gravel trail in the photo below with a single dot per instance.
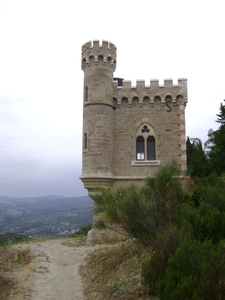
57 270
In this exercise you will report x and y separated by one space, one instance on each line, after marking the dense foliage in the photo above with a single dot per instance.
215 146
201 162
184 230
143 211
196 271
196 158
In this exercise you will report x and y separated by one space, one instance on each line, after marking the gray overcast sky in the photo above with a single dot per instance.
41 81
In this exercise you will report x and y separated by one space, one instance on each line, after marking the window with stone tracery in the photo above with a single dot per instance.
145 143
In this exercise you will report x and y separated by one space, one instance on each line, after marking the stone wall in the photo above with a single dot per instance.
113 113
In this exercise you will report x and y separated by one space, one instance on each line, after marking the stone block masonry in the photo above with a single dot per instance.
128 131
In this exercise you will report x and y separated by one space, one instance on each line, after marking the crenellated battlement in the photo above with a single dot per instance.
94 52
154 83
98 44
150 92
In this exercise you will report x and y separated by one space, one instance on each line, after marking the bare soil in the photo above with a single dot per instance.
54 272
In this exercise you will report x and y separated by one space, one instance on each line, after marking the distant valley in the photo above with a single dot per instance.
45 216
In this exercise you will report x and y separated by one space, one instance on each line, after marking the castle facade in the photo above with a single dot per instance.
128 131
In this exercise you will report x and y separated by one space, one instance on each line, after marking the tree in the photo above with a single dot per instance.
221 115
215 144
196 158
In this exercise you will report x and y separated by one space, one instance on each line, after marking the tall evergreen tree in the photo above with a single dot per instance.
216 144
221 114
196 158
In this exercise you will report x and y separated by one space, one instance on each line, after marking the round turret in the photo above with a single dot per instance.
93 53
98 63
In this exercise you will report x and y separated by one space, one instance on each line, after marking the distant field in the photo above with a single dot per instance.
44 216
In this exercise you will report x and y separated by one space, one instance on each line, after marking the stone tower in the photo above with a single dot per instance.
128 131
98 64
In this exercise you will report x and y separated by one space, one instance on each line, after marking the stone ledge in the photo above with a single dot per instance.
145 163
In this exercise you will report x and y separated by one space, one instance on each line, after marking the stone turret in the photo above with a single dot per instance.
98 63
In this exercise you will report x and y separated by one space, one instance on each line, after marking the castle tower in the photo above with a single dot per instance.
129 131
98 63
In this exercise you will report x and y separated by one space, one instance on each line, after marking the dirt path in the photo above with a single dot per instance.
57 270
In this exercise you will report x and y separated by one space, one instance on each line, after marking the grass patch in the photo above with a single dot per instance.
6 285
11 259
12 238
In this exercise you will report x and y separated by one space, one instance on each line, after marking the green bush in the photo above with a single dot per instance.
166 189
106 201
132 210
83 231
143 211
166 184
207 223
196 271
154 268
189 263
205 214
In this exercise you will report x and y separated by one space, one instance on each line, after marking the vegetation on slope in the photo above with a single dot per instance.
177 246
12 261
181 232
12 238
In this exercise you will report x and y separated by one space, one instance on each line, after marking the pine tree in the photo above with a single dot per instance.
216 144
221 115
196 158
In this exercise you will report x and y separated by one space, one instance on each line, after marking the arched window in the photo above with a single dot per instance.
140 142
150 148
145 143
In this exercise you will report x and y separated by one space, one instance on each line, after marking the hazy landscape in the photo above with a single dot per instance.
44 216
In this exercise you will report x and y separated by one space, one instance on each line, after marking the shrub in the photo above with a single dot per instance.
132 210
143 211
83 231
154 268
189 263
205 216
206 223
196 271
166 184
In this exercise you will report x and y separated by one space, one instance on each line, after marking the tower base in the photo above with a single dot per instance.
95 184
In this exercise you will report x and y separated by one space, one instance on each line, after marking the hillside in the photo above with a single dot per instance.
44 216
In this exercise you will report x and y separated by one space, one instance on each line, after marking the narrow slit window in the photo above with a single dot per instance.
85 141
140 148
86 93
